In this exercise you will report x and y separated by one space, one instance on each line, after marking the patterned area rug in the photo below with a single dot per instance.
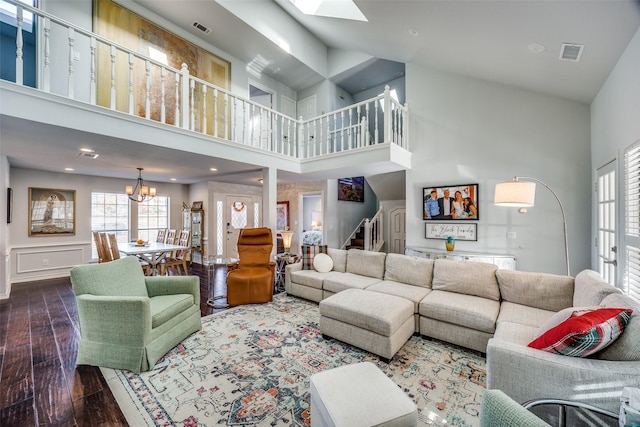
251 365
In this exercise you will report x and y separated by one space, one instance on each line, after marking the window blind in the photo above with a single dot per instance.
632 219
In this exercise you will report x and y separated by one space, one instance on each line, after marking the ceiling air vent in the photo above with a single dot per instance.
571 52
91 155
201 27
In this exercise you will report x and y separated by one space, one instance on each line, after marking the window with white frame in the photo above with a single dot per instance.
632 220
153 216
109 214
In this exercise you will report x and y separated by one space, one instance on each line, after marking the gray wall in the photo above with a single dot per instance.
465 130
614 127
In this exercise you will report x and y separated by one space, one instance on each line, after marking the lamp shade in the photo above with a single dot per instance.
286 239
517 194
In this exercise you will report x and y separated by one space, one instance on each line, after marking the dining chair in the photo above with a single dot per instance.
106 250
179 258
98 241
171 237
162 234
113 244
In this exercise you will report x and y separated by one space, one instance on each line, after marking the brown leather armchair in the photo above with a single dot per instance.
251 280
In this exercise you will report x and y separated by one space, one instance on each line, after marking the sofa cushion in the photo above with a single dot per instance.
515 333
311 278
308 254
339 257
366 263
523 315
470 278
410 292
541 290
339 282
463 310
165 307
591 289
411 270
627 346
584 332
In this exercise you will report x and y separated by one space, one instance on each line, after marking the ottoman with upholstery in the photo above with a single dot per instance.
372 321
359 395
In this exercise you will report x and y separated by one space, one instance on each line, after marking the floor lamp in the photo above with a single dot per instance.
521 193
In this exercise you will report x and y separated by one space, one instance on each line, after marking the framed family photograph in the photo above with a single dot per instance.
450 202
52 212
282 215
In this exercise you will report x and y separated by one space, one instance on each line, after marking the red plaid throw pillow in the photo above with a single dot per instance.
584 332
309 252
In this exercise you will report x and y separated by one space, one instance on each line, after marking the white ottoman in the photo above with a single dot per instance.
359 395
376 322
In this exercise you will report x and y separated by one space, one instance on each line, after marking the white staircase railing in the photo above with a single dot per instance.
373 232
121 79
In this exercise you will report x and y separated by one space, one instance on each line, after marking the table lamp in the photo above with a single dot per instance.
287 235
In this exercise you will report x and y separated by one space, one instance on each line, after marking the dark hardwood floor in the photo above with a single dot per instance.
39 382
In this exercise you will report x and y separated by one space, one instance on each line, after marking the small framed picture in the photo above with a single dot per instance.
196 206
282 215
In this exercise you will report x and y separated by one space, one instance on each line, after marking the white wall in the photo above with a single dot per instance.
62 252
471 131
615 125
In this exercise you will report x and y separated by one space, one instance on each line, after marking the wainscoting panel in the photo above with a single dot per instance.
45 262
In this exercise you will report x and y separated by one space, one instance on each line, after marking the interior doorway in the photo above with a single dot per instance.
311 219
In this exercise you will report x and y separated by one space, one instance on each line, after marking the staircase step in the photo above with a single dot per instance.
355 247
357 242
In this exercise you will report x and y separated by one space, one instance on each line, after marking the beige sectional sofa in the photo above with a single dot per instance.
480 307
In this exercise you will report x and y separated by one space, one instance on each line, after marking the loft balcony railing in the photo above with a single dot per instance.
120 79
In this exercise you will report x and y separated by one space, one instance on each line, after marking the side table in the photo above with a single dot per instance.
282 260
213 262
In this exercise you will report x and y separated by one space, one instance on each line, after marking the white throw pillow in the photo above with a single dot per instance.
322 263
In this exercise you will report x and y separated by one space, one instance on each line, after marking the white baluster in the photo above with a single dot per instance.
226 115
375 134
366 129
163 111
46 73
234 129
387 115
405 126
113 77
283 137
335 133
176 119
359 131
344 131
130 89
72 38
147 95
92 65
192 113
215 112
204 109
185 96
350 146
19 45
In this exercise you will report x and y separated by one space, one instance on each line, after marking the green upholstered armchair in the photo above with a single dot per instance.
128 320
499 410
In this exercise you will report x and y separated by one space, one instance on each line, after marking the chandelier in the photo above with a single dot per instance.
140 192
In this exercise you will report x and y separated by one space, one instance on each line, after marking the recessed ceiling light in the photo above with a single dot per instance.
173 179
413 31
87 150
536 48
69 169
213 170
261 180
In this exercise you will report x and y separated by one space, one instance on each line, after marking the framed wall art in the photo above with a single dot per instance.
450 202
351 189
52 212
442 230
282 215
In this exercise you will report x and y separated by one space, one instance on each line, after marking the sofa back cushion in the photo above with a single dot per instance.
122 277
339 257
627 346
411 270
366 263
539 290
470 278
591 289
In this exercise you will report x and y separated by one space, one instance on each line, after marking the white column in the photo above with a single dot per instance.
269 199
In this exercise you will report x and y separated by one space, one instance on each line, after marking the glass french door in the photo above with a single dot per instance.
607 245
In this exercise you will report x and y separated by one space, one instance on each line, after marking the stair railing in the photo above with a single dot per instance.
373 233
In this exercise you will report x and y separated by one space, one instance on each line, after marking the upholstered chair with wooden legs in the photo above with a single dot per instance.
250 281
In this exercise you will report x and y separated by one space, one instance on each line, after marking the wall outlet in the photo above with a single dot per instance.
45 262
76 55
511 234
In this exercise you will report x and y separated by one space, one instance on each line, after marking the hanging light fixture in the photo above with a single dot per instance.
140 192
